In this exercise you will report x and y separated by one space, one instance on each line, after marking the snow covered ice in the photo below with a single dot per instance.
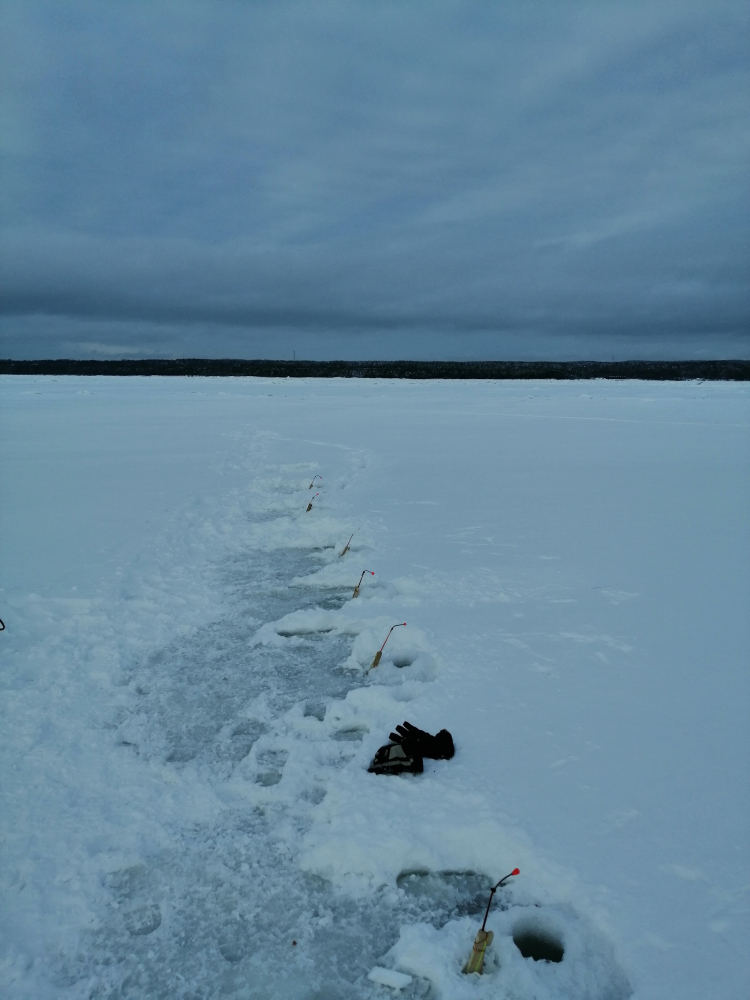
188 712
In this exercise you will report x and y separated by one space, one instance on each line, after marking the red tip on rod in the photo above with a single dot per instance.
389 633
504 879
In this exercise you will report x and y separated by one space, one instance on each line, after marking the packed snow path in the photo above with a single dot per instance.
188 809
239 916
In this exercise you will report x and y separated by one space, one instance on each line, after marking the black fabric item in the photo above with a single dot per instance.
393 759
417 741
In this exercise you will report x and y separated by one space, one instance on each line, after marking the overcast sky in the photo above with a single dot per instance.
375 179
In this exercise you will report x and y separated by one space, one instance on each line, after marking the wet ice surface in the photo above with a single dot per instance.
230 913
229 906
192 694
219 917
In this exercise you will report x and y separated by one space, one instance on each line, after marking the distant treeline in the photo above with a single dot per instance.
674 371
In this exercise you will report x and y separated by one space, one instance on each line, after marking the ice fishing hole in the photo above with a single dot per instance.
539 945
403 661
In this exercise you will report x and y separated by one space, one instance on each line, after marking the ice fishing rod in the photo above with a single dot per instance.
346 547
309 506
356 589
493 890
376 659
2 625
313 482
484 937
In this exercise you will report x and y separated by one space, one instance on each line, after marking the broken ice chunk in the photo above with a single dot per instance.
389 977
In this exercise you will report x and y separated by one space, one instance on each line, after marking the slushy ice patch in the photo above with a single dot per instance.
188 702
247 719
221 929
271 766
315 709
353 735
449 894
144 919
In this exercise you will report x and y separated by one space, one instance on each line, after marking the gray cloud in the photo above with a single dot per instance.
465 179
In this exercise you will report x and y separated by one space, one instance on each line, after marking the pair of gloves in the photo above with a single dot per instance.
408 748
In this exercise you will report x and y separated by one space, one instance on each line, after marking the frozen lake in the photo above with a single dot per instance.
188 712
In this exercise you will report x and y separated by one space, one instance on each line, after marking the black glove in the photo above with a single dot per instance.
418 743
392 759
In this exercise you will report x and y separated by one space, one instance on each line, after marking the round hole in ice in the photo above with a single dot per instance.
538 944
403 661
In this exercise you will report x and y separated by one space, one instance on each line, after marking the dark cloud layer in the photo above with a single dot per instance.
376 179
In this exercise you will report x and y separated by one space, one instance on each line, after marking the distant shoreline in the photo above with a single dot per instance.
665 371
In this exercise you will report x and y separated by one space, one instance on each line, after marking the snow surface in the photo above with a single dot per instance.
188 712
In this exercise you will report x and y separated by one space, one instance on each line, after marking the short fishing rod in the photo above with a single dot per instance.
346 547
493 890
356 589
379 653
484 937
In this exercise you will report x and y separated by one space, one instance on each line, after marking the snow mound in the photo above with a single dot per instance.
587 969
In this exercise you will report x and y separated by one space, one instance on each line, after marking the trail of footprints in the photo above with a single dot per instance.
216 915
